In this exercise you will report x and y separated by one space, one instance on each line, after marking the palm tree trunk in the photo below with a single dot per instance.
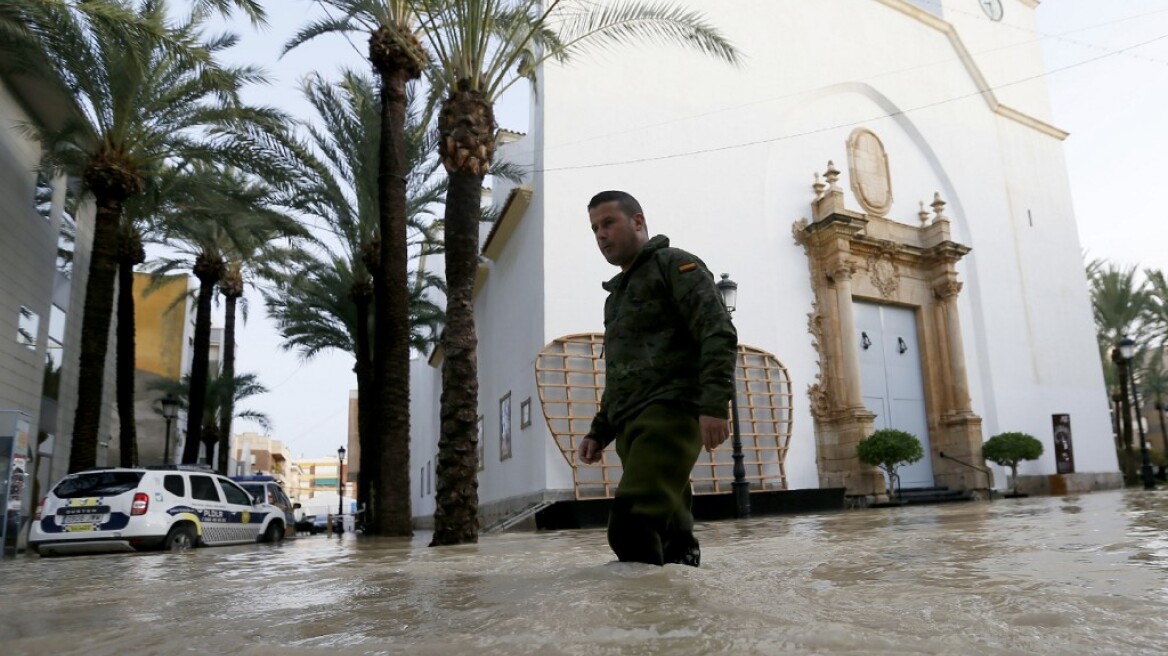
210 437
369 460
130 254
200 367
127 429
227 403
95 325
457 490
391 356
466 127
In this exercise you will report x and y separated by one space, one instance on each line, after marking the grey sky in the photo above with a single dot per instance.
1117 155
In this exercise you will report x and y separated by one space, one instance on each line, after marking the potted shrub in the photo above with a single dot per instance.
1009 449
888 449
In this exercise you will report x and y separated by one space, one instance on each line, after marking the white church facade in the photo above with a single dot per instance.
883 181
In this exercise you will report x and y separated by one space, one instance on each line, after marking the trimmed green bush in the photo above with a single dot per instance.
888 449
1009 449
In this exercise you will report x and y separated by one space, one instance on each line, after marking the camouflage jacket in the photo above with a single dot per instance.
667 337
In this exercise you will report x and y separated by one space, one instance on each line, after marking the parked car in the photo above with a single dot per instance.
268 489
320 523
174 507
306 525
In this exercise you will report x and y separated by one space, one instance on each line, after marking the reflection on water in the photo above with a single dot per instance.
1082 574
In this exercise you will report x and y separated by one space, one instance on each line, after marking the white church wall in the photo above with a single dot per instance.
508 308
733 206
425 391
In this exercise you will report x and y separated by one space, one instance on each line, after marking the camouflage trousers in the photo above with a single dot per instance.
651 519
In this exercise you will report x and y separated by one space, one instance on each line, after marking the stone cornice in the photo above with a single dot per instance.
972 68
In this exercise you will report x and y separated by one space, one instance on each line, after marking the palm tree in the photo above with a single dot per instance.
223 396
145 88
324 302
131 253
480 49
1120 304
398 58
1157 310
211 215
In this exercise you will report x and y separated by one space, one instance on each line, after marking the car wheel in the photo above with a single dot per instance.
274 533
181 538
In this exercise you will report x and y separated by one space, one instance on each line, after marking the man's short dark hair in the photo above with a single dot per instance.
627 203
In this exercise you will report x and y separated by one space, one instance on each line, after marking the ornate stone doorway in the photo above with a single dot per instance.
866 257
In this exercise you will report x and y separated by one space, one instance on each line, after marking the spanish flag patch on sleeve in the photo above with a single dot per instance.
688 266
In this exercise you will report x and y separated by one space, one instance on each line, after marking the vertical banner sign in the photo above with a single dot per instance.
1064 449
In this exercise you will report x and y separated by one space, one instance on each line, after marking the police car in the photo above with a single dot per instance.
171 507
268 488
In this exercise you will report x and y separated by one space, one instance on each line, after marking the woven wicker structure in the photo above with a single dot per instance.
570 378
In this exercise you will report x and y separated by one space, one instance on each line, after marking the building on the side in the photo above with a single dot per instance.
164 328
255 454
46 236
318 485
882 180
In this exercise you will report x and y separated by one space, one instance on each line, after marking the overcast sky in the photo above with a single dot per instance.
1116 109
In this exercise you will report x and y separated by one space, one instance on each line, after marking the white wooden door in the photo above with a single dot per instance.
891 380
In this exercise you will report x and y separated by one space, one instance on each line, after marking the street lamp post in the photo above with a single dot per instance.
1124 408
741 488
341 485
169 412
1126 350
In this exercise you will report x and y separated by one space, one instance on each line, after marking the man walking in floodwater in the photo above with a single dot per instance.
669 350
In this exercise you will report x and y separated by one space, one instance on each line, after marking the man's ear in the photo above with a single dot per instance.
639 221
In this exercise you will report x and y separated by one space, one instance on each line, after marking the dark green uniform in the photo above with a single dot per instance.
669 350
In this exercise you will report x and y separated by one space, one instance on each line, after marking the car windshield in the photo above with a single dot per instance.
254 489
97 484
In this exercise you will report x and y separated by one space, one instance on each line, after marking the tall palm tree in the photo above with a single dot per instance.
1120 304
131 253
145 87
210 215
325 301
257 248
1157 310
397 58
481 48
223 396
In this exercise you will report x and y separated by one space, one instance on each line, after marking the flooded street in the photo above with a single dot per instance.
1072 575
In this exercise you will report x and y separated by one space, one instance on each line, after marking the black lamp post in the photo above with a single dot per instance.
1161 407
169 412
1127 348
741 488
341 485
1124 408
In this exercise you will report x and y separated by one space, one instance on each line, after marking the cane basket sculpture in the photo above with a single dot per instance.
570 377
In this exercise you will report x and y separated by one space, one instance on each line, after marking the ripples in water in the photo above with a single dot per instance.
1084 574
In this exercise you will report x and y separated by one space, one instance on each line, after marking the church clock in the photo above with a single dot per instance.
992 8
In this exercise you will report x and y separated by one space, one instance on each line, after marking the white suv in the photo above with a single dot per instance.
171 507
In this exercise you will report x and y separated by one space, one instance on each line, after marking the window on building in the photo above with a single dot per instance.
27 326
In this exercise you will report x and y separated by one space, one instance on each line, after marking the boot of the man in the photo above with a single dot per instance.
635 538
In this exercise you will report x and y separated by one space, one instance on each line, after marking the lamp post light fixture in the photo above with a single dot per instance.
169 412
741 488
1126 349
341 485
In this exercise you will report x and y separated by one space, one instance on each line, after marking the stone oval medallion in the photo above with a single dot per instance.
870 178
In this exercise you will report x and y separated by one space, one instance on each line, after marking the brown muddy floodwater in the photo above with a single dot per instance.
1072 575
